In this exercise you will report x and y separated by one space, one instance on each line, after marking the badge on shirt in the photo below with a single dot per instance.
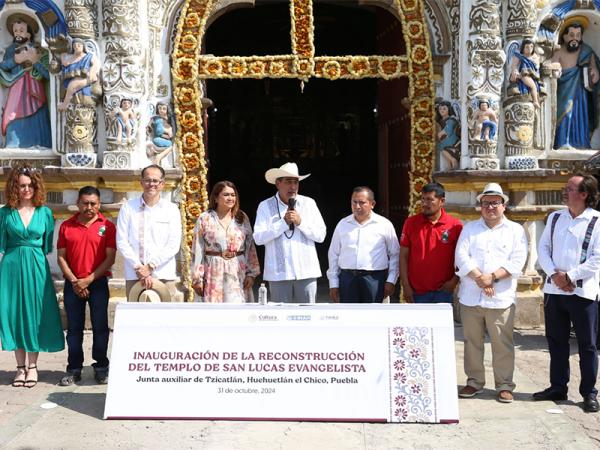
101 230
445 236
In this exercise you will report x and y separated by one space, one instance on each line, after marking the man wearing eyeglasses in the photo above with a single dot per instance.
569 253
149 234
490 255
86 251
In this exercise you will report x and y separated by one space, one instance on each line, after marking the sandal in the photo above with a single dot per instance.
29 382
21 371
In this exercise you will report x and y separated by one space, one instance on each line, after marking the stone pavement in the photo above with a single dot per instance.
76 421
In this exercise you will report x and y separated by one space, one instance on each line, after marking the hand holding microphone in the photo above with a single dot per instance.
291 216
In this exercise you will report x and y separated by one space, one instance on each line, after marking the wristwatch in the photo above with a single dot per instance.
496 279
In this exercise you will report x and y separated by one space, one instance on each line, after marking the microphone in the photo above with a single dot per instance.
291 207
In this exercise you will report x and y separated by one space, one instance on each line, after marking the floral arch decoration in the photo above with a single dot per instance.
190 66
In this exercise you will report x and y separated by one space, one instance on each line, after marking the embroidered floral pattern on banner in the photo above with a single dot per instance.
412 393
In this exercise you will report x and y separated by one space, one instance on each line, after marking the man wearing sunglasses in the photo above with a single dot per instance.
490 255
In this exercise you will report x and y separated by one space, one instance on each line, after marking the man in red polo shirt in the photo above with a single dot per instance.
86 251
427 250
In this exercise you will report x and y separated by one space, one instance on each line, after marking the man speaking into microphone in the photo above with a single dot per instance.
288 225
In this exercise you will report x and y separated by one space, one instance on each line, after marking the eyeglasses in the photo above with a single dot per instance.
150 181
494 204
26 171
570 190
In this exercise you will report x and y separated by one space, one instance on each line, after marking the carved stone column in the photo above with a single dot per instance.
122 78
80 130
454 13
522 121
486 58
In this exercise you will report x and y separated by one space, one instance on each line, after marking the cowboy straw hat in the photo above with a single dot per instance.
289 170
158 293
493 189
22 18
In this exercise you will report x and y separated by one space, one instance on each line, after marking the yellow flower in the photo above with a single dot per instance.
183 68
424 125
192 20
213 66
237 67
79 132
191 161
389 68
420 54
303 67
190 140
189 43
189 120
408 5
194 210
332 70
359 66
186 96
276 68
415 29
193 184
257 68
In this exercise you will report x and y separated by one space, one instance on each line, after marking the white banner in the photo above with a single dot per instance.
371 363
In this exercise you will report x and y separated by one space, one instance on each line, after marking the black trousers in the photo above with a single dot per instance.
362 286
75 309
560 311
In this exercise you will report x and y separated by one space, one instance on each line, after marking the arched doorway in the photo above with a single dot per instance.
393 126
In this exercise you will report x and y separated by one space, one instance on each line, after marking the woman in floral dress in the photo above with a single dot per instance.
225 260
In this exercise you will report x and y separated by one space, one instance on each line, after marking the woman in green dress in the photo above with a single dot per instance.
29 316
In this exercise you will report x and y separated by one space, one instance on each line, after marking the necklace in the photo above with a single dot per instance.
279 214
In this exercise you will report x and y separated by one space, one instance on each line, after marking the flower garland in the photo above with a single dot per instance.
189 65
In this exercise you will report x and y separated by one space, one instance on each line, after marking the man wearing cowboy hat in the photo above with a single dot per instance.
24 68
490 255
288 225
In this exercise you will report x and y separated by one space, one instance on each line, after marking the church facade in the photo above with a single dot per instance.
389 93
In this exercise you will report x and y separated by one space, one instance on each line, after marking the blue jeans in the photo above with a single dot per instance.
75 309
362 286
434 297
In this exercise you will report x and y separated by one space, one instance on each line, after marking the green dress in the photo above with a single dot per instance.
29 316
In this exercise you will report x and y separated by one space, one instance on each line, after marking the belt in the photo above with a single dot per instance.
356 272
224 255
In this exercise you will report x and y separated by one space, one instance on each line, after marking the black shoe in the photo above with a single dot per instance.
550 394
590 404
70 378
101 375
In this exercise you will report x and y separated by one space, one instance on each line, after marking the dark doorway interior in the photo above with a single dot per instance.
328 127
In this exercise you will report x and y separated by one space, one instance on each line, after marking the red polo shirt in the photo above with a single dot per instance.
86 247
430 250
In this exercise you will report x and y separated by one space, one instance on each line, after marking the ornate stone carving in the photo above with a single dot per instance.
454 13
486 58
117 160
80 129
519 120
521 18
122 78
82 18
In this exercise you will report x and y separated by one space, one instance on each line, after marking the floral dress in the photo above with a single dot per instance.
224 278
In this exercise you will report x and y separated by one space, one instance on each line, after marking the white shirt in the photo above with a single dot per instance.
567 243
489 249
156 229
293 257
372 245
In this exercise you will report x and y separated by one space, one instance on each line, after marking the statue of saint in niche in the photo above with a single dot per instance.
448 134
577 89
160 134
80 71
24 70
484 123
525 72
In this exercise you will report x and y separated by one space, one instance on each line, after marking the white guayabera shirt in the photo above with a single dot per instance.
289 255
489 249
